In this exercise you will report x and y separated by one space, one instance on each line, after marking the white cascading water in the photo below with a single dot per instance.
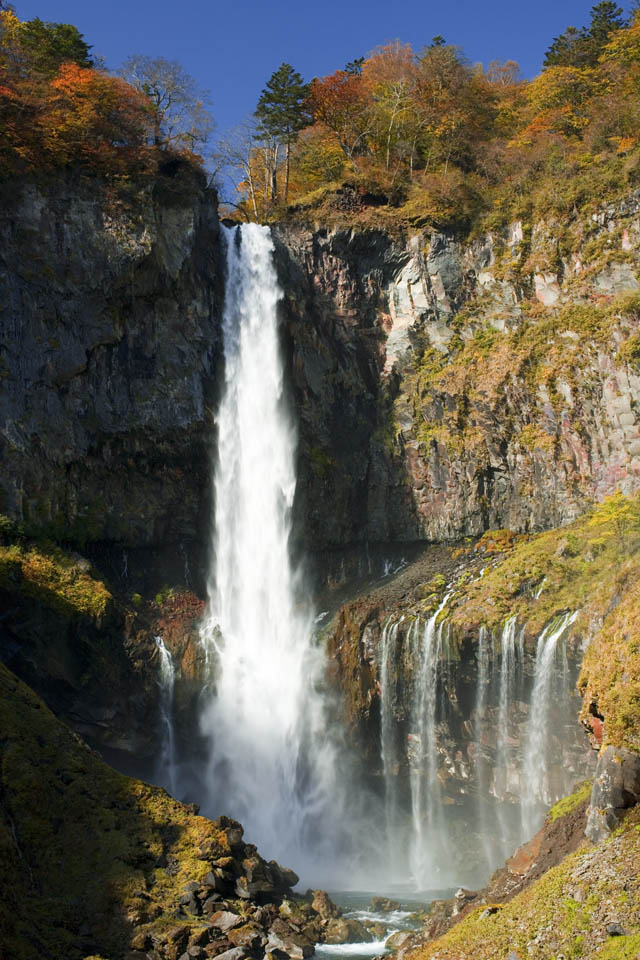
387 738
166 681
482 691
272 763
505 766
536 793
428 842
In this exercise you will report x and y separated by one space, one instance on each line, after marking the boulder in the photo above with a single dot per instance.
225 920
324 905
398 940
249 935
282 939
383 905
616 787
236 953
346 930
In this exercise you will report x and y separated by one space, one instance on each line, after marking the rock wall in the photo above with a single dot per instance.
401 454
109 338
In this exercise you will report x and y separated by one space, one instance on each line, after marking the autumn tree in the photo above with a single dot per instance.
281 114
341 102
180 109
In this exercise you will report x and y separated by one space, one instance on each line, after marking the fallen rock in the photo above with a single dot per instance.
224 920
324 905
249 935
615 930
346 930
398 940
236 953
284 940
383 905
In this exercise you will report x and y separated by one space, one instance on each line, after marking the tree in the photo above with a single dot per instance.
341 101
617 513
281 114
48 45
354 67
235 152
181 117
582 47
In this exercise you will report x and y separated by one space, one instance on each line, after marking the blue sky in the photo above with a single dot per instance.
232 47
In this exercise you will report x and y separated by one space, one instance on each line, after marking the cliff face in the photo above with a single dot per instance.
109 337
445 387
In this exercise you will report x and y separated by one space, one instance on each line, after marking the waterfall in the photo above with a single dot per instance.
167 682
387 737
535 792
428 841
271 759
482 691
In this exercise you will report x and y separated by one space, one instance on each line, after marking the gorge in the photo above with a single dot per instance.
238 430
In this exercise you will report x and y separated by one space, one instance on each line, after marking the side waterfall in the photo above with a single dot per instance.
536 791
272 763
519 701
387 737
167 683
428 842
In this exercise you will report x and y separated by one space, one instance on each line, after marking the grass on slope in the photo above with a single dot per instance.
84 851
563 914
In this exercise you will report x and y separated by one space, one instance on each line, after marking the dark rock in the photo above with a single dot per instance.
489 912
287 941
249 935
615 930
346 930
383 904
212 903
616 787
236 953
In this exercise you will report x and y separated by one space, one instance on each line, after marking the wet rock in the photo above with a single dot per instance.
383 905
399 940
377 930
324 905
346 930
291 912
283 939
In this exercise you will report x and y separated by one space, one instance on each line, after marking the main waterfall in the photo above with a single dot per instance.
271 760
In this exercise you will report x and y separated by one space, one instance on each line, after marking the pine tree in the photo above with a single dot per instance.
582 47
281 114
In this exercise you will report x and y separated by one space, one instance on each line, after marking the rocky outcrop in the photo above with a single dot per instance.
109 335
616 788
409 440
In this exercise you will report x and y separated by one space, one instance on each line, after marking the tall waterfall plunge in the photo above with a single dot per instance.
272 762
